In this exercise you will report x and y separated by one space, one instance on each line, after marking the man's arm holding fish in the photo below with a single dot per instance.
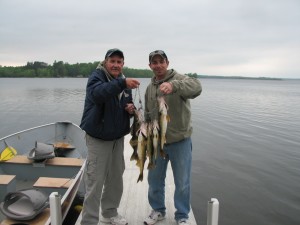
99 90
188 87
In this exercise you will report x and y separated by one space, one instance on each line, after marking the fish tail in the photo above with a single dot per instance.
162 142
151 166
162 154
140 178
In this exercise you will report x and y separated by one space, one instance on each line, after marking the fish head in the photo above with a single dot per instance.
155 124
143 129
162 105
139 114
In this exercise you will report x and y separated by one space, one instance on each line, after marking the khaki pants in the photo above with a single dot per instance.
103 179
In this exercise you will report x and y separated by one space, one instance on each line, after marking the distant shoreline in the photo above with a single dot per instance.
241 77
80 70
199 76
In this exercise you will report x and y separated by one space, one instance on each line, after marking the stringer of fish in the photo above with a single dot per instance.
147 138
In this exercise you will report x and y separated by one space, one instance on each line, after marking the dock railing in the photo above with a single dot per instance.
55 208
213 212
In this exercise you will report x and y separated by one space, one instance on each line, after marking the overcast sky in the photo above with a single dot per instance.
211 37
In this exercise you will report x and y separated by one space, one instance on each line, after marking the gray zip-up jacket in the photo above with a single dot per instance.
179 111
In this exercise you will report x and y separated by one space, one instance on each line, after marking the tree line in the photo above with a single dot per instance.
62 69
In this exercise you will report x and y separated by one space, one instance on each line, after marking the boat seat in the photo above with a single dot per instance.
57 161
21 159
64 161
7 184
53 182
6 179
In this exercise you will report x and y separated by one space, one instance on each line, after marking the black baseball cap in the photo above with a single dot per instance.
114 51
157 52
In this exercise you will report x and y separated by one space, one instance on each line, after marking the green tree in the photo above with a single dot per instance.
59 69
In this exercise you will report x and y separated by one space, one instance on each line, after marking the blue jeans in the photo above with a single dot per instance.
180 156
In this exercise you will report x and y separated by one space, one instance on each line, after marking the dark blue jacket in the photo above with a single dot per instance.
104 114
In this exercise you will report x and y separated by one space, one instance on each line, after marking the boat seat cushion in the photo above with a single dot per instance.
41 152
24 204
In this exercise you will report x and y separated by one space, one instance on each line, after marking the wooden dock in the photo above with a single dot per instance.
134 204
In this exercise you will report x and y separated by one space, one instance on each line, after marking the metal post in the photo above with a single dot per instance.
55 209
213 212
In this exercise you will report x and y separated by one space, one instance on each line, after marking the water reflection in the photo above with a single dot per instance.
245 141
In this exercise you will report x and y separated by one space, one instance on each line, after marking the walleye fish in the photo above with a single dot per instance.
164 120
141 149
155 138
150 146
137 120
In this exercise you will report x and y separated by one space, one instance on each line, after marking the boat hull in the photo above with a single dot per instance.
62 174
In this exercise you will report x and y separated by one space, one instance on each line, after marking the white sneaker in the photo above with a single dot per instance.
183 222
153 218
115 220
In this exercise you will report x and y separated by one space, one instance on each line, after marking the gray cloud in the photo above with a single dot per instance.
214 37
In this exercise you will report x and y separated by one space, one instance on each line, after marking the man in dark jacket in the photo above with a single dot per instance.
106 120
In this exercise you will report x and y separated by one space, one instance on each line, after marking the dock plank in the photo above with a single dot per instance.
134 204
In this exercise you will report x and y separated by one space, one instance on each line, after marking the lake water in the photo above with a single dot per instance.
246 140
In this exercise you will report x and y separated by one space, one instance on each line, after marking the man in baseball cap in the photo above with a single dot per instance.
106 120
157 52
174 90
114 51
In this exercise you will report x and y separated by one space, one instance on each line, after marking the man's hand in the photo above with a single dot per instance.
166 88
130 108
132 83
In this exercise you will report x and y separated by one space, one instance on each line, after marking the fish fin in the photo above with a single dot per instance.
134 156
133 143
168 118
144 142
137 162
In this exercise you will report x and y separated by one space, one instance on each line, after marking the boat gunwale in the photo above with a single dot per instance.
36 127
